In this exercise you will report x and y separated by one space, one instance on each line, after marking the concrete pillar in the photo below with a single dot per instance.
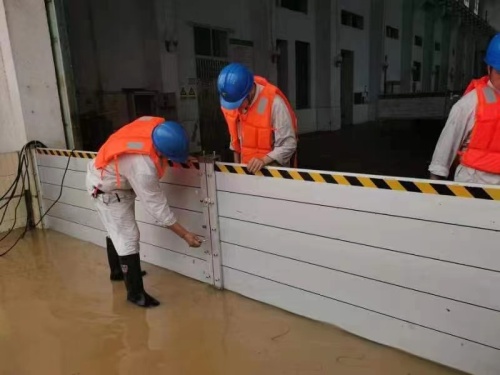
460 58
11 113
445 53
431 14
377 38
334 69
167 25
32 110
263 35
406 46
323 65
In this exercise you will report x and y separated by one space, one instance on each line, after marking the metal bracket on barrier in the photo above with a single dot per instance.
211 221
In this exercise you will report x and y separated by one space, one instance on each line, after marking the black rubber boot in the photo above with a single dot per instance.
115 268
131 268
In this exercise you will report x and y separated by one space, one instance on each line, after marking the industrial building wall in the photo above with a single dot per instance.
13 135
357 40
29 102
393 17
33 90
117 47
295 26
230 16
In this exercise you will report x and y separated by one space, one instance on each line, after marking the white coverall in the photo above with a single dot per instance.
285 142
456 136
116 207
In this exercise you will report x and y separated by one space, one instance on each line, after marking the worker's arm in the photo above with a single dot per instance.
455 133
142 176
435 177
237 157
285 140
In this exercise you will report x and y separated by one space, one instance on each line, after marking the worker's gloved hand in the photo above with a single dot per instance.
255 165
192 240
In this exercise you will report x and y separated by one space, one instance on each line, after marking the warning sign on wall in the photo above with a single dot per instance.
191 93
183 93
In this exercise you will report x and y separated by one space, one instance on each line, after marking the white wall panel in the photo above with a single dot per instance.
150 234
470 322
183 197
76 164
174 175
468 212
82 232
448 350
444 279
433 240
177 262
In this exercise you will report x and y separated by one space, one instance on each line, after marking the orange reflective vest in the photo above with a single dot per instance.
256 124
134 138
483 150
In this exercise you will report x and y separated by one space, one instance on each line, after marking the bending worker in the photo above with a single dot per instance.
472 131
261 121
129 164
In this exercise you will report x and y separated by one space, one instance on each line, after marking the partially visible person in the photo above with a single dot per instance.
470 139
130 164
261 121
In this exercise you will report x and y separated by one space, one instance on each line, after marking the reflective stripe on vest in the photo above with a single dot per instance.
489 95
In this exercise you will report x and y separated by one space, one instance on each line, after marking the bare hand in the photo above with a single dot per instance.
192 240
255 165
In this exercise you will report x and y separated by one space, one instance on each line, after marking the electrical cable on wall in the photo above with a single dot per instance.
23 177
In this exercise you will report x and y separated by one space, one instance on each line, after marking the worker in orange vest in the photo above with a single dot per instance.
261 121
471 136
130 164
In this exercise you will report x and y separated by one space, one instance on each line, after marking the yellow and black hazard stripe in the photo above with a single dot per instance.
67 153
92 155
422 187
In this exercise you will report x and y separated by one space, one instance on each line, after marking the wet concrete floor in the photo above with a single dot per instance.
60 315
401 148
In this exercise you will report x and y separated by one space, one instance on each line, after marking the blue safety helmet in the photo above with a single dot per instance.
234 84
493 53
171 140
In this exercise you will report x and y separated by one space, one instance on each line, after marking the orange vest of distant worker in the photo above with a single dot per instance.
483 151
256 124
134 138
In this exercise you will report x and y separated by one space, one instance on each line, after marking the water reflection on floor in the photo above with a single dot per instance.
59 314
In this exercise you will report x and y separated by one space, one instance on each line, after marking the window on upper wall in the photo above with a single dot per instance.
391 32
476 7
210 42
295 5
437 46
302 75
352 20
467 3
418 41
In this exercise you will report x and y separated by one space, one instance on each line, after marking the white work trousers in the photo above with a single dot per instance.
117 213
